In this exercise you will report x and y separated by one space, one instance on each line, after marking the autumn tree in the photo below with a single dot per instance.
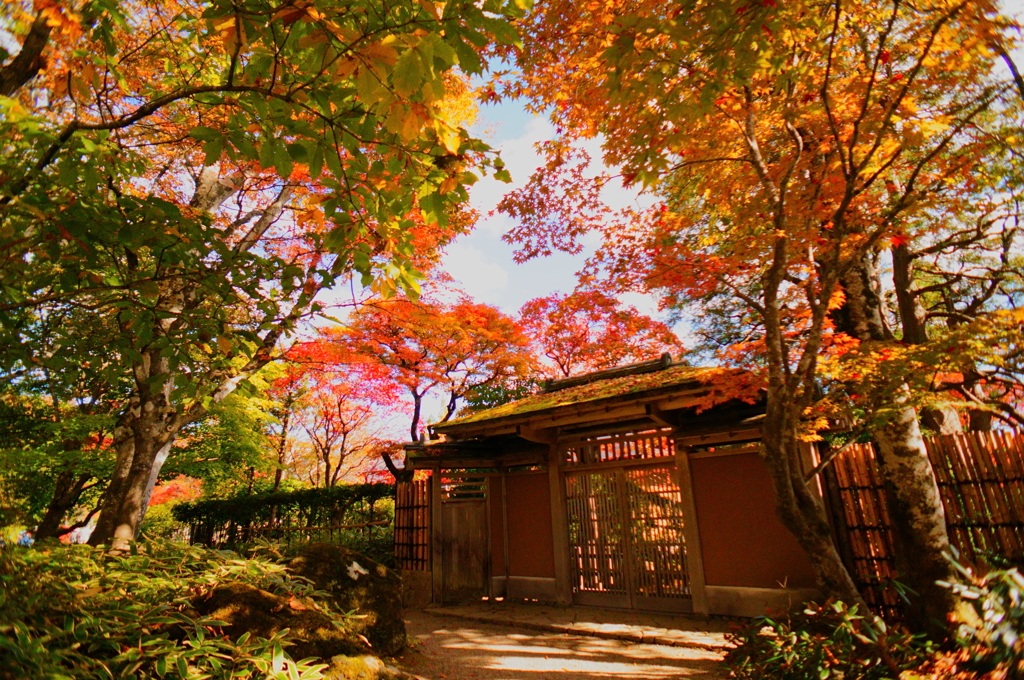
201 170
58 421
589 330
431 348
792 143
342 412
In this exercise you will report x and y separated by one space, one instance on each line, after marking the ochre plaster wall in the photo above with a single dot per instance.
530 546
742 541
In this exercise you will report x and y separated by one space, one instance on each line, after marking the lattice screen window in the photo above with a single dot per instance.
632 446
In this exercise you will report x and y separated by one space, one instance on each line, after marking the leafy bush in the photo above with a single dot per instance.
160 522
310 507
75 612
990 615
823 642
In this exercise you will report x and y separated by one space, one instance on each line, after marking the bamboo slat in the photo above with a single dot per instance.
981 481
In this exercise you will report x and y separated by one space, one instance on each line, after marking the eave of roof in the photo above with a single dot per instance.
594 393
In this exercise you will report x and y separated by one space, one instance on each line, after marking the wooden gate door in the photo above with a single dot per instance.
464 548
626 538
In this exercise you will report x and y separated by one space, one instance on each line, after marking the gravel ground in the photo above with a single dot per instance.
454 649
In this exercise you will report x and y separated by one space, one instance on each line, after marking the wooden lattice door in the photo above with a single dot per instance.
626 538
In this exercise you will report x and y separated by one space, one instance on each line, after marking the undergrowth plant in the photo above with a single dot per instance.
824 642
990 620
72 611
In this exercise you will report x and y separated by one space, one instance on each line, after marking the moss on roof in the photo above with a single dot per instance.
595 391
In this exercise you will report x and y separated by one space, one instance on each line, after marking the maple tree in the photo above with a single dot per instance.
342 408
589 330
428 347
198 171
792 143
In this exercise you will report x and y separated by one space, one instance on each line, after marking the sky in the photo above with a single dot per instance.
483 264
480 261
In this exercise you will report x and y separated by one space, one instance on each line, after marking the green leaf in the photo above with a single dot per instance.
278 658
204 134
213 150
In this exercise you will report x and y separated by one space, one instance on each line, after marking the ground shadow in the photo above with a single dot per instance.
453 649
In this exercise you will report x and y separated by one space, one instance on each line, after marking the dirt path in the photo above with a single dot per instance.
454 649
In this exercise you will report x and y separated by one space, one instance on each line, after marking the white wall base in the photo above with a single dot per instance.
524 587
750 602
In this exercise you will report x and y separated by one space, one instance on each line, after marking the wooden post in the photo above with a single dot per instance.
504 528
559 528
691 529
437 582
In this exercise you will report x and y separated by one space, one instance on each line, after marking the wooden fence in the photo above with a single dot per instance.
412 525
981 481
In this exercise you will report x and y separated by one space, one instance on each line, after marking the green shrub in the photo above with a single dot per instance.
823 642
75 612
160 523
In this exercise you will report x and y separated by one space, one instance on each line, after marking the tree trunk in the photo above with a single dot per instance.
125 445
30 59
799 508
941 419
154 475
68 490
912 315
282 450
120 520
918 521
915 507
153 425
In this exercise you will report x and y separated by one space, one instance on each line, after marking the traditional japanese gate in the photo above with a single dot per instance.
626 526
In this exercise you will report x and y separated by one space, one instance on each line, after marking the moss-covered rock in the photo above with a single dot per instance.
363 668
357 584
247 609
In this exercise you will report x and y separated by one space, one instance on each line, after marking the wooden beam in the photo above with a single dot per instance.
559 529
691 532
732 451
541 436
659 416
722 436
436 568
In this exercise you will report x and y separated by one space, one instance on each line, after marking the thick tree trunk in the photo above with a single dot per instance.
125 446
915 507
153 425
912 315
918 521
120 519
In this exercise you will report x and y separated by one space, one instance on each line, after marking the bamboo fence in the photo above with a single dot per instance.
981 480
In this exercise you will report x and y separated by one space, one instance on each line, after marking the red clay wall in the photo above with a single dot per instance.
741 538
530 544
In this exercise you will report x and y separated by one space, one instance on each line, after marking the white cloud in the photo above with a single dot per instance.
479 275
